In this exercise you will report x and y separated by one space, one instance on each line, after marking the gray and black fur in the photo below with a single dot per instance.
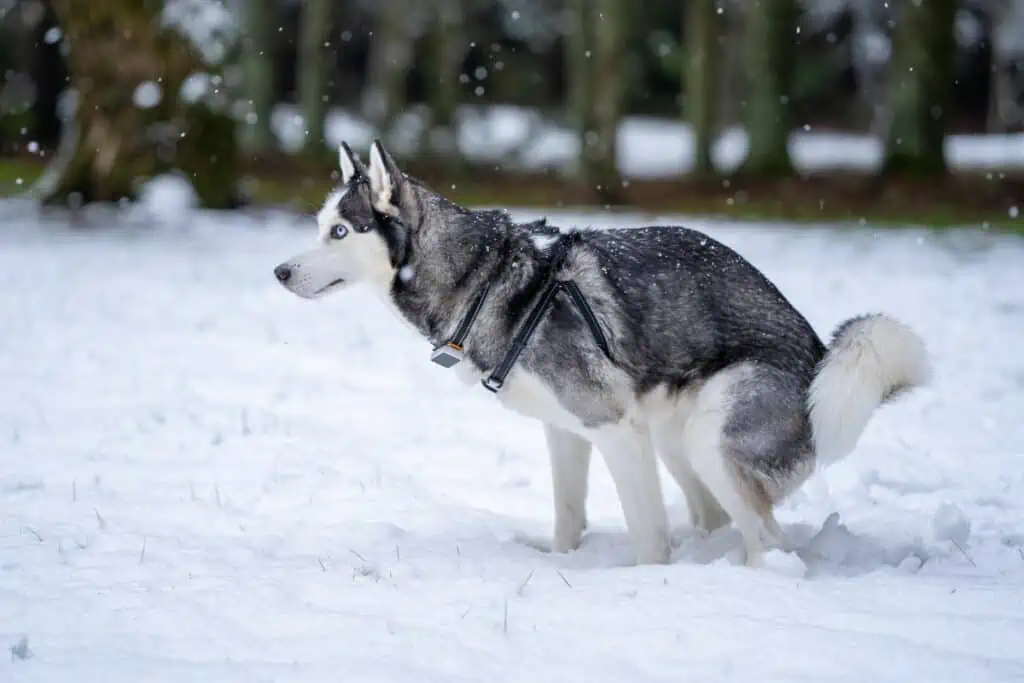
708 363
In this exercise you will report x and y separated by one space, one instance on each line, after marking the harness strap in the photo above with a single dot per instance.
588 314
451 352
496 380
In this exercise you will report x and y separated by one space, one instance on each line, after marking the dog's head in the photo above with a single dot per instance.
355 243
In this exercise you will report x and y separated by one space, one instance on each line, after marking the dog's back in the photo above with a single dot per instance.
694 306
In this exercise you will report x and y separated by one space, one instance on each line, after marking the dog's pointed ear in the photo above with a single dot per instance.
385 179
349 163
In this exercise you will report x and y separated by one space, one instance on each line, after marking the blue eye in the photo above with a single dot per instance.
338 231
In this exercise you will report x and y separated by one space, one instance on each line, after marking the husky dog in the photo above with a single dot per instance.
647 342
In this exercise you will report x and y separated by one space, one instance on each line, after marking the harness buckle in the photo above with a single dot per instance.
492 383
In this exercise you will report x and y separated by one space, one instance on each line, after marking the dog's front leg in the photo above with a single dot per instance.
629 454
570 467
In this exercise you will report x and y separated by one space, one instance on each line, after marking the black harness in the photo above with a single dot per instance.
451 352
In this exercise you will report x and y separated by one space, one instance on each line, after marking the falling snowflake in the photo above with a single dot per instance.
147 95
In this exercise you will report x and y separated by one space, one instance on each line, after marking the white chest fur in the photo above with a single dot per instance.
526 394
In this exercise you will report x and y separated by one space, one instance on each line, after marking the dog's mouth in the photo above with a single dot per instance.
330 285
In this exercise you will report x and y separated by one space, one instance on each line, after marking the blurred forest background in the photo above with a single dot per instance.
871 109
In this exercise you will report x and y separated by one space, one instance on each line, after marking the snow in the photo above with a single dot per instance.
203 477
147 95
951 525
195 87
406 273
169 199
208 24
53 35
968 29
1008 31
543 241
648 147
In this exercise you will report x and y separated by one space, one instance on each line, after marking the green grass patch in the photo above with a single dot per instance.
16 175
302 186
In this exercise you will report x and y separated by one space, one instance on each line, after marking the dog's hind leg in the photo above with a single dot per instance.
744 442
570 468
705 513
629 455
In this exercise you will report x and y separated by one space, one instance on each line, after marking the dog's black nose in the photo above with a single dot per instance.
283 273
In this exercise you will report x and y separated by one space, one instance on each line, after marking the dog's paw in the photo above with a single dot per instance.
568 533
566 544
659 552
708 517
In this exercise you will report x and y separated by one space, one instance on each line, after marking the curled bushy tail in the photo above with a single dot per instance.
871 359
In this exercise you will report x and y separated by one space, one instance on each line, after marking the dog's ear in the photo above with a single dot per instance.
385 179
349 163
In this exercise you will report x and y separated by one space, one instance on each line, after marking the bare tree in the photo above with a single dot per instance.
446 56
701 80
140 109
312 71
597 90
920 88
389 60
258 59
770 54
579 46
1005 111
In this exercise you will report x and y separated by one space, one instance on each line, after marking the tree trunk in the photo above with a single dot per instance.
596 92
1004 112
921 88
701 81
389 60
770 53
731 66
19 90
312 76
50 78
609 18
125 133
258 54
446 42
579 44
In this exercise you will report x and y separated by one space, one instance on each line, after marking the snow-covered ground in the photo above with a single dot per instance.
205 478
649 147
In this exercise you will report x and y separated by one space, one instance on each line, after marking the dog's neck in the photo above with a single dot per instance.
449 265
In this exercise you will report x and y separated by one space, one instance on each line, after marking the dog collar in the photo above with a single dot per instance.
452 352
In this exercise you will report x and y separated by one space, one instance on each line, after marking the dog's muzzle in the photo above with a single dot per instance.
283 273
